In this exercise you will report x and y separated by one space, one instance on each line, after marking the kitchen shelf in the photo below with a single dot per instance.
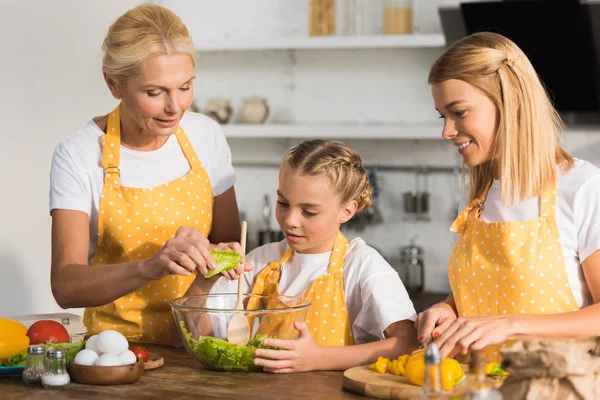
333 131
415 40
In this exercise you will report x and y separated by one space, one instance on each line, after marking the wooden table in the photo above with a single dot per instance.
181 377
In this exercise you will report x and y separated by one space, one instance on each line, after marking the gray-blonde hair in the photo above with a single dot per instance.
140 33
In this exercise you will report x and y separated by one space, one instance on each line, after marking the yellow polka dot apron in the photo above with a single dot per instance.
513 267
133 224
327 317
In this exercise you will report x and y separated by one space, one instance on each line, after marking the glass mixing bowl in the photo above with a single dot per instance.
202 324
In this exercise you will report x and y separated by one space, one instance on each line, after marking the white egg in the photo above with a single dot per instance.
127 357
111 342
91 344
108 360
86 357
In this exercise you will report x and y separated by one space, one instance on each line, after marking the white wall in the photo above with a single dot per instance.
51 81
50 75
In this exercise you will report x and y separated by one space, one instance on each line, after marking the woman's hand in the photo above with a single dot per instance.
234 274
466 334
182 255
433 321
299 355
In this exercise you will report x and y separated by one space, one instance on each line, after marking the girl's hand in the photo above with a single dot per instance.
234 274
299 355
466 334
434 321
182 255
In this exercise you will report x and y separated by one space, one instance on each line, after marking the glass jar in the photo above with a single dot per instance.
55 369
35 364
397 17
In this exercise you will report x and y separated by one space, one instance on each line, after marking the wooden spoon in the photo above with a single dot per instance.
238 330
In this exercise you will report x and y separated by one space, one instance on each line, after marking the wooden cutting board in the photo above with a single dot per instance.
363 381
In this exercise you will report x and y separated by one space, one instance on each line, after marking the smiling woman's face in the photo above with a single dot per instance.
470 119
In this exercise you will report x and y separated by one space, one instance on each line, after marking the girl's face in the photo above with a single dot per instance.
309 212
469 119
154 101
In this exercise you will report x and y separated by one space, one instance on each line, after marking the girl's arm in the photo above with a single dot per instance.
304 354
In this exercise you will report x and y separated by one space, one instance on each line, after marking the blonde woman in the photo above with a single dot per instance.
527 262
138 194
360 309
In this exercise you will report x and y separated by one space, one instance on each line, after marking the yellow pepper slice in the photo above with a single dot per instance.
381 365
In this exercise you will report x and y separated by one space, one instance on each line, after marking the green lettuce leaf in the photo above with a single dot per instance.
70 349
16 360
219 354
226 261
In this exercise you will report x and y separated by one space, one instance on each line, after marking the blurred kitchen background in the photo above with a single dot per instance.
274 72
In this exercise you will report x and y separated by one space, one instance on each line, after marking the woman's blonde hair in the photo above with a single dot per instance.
140 33
527 144
338 162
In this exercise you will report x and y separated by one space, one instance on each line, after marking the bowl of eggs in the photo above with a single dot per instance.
106 360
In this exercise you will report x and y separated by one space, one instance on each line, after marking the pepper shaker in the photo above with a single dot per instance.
35 364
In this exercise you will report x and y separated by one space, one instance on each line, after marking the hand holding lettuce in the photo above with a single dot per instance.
226 260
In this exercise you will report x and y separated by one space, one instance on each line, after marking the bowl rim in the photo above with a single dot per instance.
175 305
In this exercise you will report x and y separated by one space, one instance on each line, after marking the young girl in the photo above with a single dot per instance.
360 309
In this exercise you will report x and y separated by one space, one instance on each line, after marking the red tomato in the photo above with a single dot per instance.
45 330
141 352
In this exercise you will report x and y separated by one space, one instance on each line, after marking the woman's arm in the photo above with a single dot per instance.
304 354
476 333
77 284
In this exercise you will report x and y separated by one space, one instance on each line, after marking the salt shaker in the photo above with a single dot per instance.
55 369
35 364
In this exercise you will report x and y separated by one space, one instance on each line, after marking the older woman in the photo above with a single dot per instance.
138 194
527 262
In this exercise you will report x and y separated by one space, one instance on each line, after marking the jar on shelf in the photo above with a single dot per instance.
322 17
397 17
34 369
358 17
55 369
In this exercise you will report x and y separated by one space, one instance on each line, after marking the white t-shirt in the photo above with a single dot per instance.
577 217
375 295
77 177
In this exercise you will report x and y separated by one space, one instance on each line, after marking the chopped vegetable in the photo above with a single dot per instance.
381 365
495 371
226 261
219 354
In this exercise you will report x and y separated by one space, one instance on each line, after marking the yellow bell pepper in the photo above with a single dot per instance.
10 327
397 368
13 338
451 370
381 365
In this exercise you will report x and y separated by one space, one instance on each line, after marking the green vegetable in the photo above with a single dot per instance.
16 360
219 354
496 372
226 261
70 349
